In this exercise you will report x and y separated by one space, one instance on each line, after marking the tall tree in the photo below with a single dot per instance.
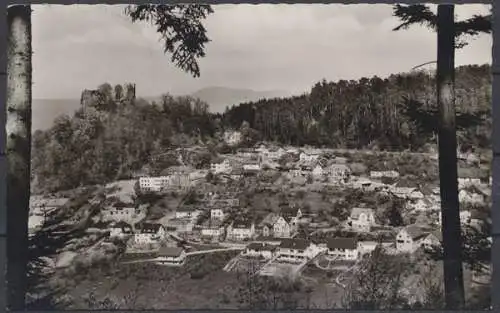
18 150
450 36
185 38
448 177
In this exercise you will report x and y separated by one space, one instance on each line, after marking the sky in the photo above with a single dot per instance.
259 47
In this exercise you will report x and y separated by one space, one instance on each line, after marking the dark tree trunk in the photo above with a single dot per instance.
453 275
18 129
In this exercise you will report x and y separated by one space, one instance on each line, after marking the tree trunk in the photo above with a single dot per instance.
495 169
18 131
453 276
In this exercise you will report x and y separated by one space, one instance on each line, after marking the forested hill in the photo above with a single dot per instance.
369 112
114 134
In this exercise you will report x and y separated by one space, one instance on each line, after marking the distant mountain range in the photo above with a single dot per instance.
46 110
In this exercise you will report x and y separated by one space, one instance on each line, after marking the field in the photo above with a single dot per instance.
200 284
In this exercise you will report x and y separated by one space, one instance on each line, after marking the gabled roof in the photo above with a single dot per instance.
242 223
342 243
261 246
170 251
290 243
415 232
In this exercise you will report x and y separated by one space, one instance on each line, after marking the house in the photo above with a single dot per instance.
362 219
293 211
251 167
241 229
223 167
187 212
366 247
362 183
317 171
181 225
386 174
173 256
305 157
261 250
343 248
338 172
147 233
119 211
291 249
410 238
469 197
217 214
213 229
423 205
282 227
468 177
153 184
431 240
265 227
120 229
232 137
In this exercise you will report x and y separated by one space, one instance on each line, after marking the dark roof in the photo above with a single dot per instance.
186 209
242 223
170 251
415 232
342 243
122 224
148 227
260 246
121 205
289 243
289 211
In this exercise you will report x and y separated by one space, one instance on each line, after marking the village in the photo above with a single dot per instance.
212 214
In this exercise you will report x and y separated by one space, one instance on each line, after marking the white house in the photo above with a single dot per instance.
153 184
317 171
147 233
338 172
251 167
423 205
343 248
469 197
119 211
362 219
387 174
213 229
173 256
366 247
241 229
296 250
217 214
410 239
187 212
261 250
232 137
224 167
306 157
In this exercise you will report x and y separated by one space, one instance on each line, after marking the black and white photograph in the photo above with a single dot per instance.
252 157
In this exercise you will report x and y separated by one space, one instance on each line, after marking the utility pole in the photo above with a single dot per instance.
447 140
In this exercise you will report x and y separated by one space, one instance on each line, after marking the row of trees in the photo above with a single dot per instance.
99 144
393 113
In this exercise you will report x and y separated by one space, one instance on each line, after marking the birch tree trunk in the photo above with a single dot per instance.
495 188
18 131
448 178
